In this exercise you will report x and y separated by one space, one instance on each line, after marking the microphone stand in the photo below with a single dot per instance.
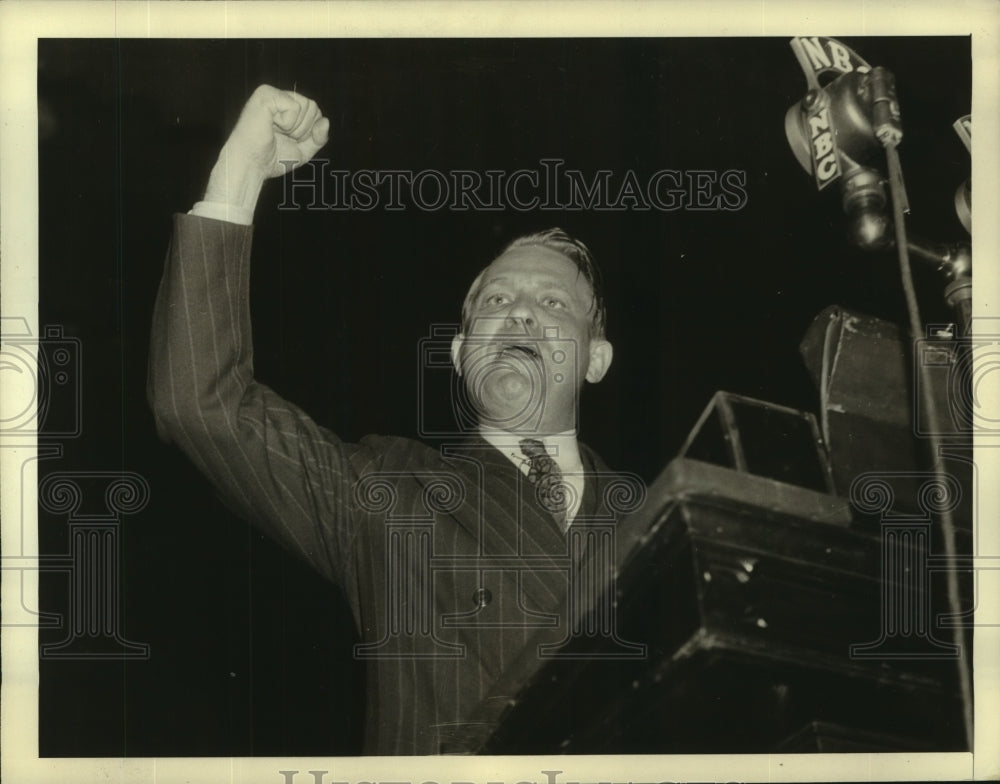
886 124
829 132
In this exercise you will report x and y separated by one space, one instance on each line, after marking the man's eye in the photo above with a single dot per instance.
495 299
553 302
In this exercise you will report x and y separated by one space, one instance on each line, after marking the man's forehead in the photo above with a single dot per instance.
535 261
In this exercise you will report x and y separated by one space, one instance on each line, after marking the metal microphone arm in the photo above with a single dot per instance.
954 262
871 229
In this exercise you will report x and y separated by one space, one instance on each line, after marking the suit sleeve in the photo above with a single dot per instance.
270 461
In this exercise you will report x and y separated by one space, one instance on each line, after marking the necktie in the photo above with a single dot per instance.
552 493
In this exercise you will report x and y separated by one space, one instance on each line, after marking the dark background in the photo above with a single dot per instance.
250 652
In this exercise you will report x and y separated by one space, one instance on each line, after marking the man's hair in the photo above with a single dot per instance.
572 249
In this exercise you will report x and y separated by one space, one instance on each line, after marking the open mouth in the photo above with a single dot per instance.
520 350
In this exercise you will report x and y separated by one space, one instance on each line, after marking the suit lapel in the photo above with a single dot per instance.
501 506
502 514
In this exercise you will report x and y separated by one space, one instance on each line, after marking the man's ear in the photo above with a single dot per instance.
601 354
456 348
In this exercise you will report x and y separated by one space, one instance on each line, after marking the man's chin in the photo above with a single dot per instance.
509 405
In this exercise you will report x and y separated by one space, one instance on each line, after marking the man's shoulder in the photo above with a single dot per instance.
398 450
621 492
468 458
593 463
401 452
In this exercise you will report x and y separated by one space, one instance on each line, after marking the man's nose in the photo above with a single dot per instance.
522 315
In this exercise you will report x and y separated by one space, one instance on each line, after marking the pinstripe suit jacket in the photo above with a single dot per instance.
445 556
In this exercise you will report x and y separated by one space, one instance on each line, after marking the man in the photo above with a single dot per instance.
452 560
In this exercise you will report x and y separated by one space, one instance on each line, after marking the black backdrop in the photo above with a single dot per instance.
250 654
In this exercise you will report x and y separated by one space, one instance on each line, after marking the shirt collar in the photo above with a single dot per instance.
562 447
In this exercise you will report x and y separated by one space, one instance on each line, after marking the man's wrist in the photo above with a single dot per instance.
234 182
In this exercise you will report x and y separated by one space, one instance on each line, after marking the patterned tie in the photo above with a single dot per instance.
550 489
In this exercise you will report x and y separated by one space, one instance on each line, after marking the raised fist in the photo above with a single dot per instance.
277 131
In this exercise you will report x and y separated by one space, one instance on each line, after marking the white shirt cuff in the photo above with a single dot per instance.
223 212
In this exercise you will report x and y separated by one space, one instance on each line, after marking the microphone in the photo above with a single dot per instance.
836 129
830 130
864 200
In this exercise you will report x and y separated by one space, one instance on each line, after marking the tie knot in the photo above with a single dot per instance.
532 448
542 468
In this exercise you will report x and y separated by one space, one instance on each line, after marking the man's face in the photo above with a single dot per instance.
528 348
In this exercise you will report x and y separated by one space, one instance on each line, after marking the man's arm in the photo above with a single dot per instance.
270 460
